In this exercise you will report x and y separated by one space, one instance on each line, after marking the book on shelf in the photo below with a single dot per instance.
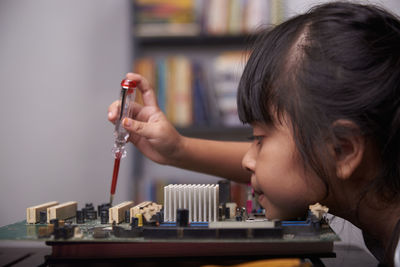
192 94
145 67
228 68
210 17
166 18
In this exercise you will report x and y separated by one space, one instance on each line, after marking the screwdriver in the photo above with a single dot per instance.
127 97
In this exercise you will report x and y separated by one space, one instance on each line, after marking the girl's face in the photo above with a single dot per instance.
285 188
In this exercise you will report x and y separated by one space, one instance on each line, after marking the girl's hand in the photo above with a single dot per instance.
149 129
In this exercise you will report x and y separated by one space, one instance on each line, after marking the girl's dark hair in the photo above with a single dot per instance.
338 61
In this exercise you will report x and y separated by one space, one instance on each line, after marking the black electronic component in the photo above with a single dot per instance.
182 217
161 213
104 206
127 216
80 218
88 211
135 222
220 214
104 216
160 216
224 191
84 211
119 231
89 206
91 215
243 213
227 213
43 217
54 222
64 232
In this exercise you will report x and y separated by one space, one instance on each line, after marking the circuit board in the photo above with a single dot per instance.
168 240
145 230
285 231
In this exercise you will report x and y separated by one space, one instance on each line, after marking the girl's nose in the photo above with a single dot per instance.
248 161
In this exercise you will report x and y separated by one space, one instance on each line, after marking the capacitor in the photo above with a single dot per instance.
127 216
220 213
140 219
182 217
104 217
227 213
135 222
84 211
99 209
91 214
104 206
89 206
80 218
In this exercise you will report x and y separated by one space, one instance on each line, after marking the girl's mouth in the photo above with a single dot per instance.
259 193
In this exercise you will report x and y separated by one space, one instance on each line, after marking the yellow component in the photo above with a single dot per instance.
147 209
140 219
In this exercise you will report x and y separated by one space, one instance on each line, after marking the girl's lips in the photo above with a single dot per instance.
260 197
258 192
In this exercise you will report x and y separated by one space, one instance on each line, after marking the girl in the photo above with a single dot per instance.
322 94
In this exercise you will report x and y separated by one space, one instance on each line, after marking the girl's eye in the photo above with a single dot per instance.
257 138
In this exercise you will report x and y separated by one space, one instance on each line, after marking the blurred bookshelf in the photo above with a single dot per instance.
197 89
193 53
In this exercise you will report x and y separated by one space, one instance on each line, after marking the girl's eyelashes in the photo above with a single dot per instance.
257 138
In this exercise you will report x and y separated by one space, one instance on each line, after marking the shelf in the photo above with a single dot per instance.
239 133
209 40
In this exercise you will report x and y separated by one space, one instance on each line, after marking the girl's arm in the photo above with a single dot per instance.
152 133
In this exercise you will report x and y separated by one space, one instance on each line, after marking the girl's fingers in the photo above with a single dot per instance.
113 110
148 94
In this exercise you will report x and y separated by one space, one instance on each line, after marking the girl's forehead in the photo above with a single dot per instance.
277 120
262 127
258 127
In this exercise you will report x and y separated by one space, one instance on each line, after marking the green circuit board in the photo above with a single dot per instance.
290 233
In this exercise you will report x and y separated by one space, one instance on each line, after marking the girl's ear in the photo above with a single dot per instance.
349 148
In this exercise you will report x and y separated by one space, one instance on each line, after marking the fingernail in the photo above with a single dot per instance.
126 122
110 114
